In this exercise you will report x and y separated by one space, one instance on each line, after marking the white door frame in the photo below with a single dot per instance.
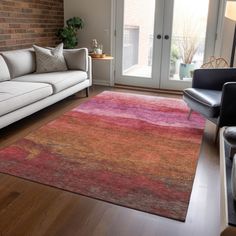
210 43
211 49
157 48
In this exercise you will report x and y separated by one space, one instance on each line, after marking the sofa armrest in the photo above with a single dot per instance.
228 105
77 59
213 78
90 70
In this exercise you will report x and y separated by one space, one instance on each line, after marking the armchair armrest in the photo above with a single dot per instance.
228 105
213 78
77 59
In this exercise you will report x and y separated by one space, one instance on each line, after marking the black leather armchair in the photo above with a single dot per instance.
213 94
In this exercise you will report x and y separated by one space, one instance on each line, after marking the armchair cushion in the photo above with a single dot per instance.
205 101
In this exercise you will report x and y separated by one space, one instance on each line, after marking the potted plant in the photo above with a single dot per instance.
68 34
188 47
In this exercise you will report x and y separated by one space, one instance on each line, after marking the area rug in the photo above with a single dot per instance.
132 150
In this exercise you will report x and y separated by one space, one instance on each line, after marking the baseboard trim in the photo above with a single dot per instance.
101 82
165 91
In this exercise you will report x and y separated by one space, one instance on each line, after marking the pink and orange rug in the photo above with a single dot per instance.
132 150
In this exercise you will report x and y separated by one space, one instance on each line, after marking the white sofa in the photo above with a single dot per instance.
24 92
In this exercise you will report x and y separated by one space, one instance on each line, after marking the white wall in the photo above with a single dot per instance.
97 16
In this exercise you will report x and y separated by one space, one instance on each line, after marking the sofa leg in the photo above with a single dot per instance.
87 91
217 133
190 113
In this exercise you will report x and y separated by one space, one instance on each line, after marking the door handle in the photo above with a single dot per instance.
159 36
166 37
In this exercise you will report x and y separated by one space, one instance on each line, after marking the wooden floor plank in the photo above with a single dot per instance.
28 208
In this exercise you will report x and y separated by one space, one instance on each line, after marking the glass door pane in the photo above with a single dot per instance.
138 31
159 43
188 38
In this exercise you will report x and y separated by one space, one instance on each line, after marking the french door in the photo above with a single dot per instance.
160 42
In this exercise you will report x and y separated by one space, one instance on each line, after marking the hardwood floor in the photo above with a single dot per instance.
28 208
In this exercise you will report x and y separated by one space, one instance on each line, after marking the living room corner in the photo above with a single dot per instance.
117 117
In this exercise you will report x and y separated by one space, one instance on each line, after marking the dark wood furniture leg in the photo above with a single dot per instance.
87 91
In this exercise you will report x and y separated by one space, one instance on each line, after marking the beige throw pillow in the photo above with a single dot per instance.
50 60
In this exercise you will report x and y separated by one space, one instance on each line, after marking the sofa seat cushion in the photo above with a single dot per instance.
205 101
15 95
59 80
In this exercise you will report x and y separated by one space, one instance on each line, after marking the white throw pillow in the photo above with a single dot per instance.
50 60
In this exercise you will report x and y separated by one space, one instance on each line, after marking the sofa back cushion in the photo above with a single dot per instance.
20 62
76 59
4 72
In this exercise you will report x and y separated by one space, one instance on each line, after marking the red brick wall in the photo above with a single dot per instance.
27 22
